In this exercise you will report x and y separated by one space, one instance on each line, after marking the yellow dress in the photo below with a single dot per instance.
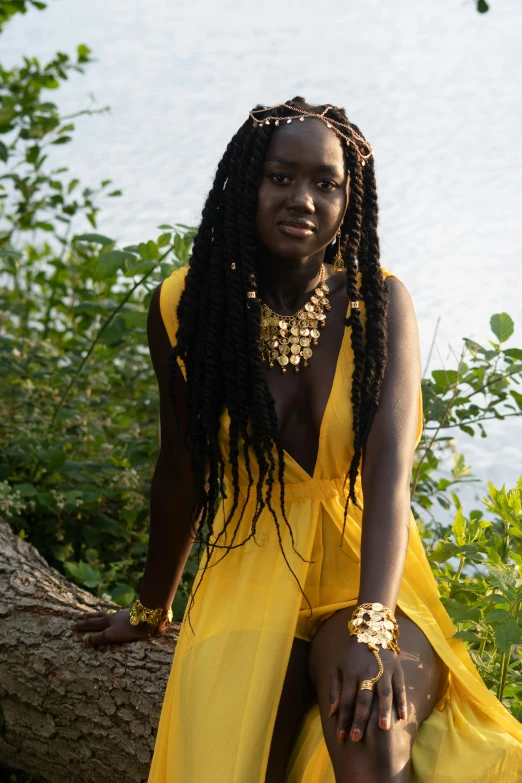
224 688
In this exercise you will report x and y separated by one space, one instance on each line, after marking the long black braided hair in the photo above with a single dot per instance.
219 325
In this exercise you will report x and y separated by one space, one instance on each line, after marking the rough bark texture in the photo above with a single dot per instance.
69 712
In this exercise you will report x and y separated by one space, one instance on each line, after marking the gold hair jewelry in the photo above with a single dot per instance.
338 264
286 339
374 625
342 129
140 614
111 611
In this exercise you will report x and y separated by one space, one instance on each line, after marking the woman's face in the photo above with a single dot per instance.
304 190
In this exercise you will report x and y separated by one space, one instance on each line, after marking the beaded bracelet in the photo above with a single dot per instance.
140 614
374 625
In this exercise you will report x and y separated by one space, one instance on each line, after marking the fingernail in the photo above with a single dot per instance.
330 710
384 723
404 714
355 735
85 641
72 626
341 736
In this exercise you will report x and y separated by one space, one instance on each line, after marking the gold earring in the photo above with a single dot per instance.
338 263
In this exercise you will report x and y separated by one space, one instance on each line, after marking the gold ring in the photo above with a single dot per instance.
366 685
111 611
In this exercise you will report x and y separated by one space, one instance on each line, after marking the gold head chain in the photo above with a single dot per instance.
343 129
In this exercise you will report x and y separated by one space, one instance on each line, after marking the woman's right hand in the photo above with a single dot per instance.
113 628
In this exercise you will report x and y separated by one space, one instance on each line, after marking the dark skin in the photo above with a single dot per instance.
369 735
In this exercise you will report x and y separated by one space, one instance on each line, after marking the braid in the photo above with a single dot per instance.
218 340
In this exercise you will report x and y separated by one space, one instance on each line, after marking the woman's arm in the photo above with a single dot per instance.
387 464
172 489
171 496
388 457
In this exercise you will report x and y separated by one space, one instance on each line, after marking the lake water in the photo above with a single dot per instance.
434 85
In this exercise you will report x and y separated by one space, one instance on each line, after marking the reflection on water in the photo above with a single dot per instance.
432 85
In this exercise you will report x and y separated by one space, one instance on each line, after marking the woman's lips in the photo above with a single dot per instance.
294 231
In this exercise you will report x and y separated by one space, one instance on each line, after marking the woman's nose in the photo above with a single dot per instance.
301 199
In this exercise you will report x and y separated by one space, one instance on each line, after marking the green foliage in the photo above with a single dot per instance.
9 8
478 568
481 388
79 410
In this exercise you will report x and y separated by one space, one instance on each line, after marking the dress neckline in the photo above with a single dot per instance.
340 355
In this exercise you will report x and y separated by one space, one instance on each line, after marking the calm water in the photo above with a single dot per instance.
434 85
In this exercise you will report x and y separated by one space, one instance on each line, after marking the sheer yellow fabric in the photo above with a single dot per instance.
223 692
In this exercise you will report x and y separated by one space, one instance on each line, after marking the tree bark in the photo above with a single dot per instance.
69 712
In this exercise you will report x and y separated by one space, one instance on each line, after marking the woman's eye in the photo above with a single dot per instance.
278 178
325 184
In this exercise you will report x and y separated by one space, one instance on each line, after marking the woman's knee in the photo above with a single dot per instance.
390 748
381 756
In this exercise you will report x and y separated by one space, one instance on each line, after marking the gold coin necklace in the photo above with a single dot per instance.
287 339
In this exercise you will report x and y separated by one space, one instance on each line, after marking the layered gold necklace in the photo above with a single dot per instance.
287 339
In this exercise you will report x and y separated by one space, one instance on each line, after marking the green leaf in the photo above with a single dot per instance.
109 263
123 595
31 156
508 633
54 459
459 528
148 250
496 616
25 490
83 52
517 397
62 140
6 115
462 613
163 240
97 239
83 573
115 332
3 152
468 636
473 347
482 6
141 268
514 353
444 379
502 326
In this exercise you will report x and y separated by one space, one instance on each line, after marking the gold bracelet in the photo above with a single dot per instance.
140 614
374 625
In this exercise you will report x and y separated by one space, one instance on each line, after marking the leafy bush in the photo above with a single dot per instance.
79 412
483 593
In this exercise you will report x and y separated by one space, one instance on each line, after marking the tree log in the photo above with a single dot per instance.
70 712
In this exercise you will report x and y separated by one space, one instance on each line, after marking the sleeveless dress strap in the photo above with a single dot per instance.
170 294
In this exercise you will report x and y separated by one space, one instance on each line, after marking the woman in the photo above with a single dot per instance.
289 425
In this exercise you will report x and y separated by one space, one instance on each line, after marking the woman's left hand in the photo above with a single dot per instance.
352 705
